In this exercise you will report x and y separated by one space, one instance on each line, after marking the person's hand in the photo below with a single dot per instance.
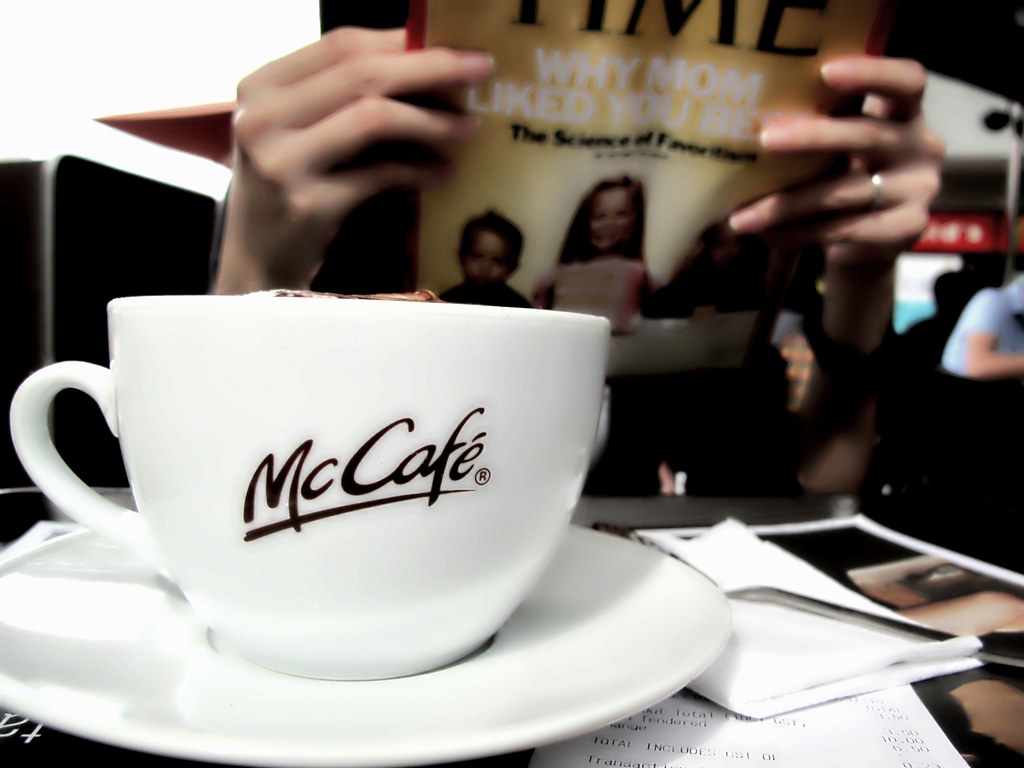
873 207
322 130
858 221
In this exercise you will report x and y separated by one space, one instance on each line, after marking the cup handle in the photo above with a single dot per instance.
33 443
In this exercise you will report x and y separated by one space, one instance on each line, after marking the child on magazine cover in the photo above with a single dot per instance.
600 269
489 250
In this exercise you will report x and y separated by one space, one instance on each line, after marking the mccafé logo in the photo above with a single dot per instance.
307 480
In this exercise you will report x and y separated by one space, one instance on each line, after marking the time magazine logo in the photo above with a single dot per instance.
299 485
677 13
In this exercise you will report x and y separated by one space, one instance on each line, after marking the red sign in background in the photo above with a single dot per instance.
949 232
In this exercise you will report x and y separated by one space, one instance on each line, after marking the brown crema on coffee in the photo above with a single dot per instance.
419 296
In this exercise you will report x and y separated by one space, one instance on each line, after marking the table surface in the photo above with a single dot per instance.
697 512
23 741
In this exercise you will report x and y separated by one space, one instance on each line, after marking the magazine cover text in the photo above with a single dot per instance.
616 136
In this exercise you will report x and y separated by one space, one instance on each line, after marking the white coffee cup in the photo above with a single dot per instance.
342 488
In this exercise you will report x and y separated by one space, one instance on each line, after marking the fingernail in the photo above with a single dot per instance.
476 64
774 135
468 126
743 221
834 68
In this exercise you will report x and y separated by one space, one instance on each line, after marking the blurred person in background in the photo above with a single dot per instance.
987 342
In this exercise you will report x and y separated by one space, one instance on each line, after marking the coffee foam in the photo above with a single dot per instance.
417 296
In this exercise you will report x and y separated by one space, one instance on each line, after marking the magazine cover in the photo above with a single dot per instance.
616 135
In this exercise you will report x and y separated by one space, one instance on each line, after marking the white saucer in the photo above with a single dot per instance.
95 644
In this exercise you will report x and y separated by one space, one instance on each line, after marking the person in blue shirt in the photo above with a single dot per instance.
987 342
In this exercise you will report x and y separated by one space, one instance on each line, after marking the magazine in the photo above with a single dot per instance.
616 136
923 582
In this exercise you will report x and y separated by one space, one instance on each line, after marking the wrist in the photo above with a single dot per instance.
858 304
239 274
251 261
852 366
847 331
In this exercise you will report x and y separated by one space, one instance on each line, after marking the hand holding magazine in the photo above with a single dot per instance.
616 138
657 163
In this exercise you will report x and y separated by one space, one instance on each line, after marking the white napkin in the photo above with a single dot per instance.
780 659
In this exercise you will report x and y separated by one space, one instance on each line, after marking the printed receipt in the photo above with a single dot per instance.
886 729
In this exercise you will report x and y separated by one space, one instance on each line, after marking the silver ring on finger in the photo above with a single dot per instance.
878 200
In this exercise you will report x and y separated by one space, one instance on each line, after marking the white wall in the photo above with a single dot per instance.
974 172
956 112
95 58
